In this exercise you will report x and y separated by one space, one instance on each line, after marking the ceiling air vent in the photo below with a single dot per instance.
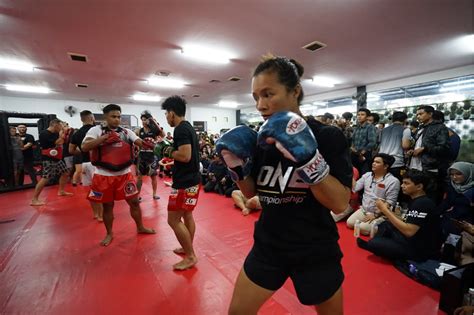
233 79
163 73
82 85
77 57
215 81
313 46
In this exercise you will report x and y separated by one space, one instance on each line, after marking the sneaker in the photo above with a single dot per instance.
139 199
156 197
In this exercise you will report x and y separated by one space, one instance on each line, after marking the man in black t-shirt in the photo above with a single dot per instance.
28 142
51 142
87 169
147 164
186 178
417 236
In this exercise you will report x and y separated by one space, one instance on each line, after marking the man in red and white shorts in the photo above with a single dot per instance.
186 179
112 153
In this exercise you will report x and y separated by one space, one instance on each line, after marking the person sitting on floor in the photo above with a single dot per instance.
458 203
416 237
376 184
247 205
216 172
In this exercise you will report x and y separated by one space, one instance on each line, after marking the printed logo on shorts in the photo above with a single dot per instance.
190 201
192 191
95 195
130 189
295 125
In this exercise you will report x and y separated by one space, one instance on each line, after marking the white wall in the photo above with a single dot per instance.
34 105
217 118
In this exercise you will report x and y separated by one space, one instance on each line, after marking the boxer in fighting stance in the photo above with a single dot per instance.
186 178
51 143
112 155
147 162
300 170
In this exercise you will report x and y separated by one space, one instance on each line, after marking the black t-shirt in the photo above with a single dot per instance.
422 212
151 133
77 139
186 174
47 140
293 226
28 153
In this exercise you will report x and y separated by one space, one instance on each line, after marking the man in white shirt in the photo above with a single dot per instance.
112 153
378 184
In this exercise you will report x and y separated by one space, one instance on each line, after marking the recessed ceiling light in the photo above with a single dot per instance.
146 98
206 54
166 82
228 104
324 81
27 88
9 64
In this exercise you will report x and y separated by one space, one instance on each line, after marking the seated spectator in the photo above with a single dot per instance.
247 205
216 172
414 238
458 203
378 184
169 137
205 162
353 202
226 186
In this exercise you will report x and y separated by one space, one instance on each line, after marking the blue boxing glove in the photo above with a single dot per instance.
292 136
237 148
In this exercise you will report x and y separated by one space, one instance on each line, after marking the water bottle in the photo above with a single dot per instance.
373 230
468 299
357 228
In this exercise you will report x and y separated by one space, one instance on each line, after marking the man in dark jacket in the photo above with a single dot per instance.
431 150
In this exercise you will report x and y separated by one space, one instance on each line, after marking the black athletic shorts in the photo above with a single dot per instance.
314 283
77 159
147 164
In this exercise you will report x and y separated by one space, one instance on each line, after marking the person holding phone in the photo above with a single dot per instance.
416 237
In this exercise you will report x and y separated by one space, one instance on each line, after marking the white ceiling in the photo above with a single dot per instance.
368 41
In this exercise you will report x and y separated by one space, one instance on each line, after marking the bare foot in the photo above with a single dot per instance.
178 251
36 202
186 263
245 211
107 240
65 193
144 230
